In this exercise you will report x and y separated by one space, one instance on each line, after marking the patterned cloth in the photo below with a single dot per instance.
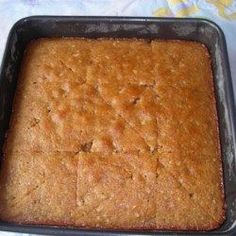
223 12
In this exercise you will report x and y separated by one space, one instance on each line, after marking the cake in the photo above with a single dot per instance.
114 134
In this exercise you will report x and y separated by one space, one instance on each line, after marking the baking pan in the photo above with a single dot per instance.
199 30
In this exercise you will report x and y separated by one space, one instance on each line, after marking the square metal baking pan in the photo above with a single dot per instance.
199 30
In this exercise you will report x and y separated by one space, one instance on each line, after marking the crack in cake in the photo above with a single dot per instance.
116 134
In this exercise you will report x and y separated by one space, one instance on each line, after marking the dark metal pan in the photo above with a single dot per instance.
199 30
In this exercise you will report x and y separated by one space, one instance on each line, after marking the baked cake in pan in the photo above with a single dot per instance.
115 134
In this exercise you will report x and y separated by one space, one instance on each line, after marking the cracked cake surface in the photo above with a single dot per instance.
116 134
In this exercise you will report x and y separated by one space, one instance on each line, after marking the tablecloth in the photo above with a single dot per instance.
222 12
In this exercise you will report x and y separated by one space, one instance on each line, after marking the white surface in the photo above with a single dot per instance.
13 234
224 14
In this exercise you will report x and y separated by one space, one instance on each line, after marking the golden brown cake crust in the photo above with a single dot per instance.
115 134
